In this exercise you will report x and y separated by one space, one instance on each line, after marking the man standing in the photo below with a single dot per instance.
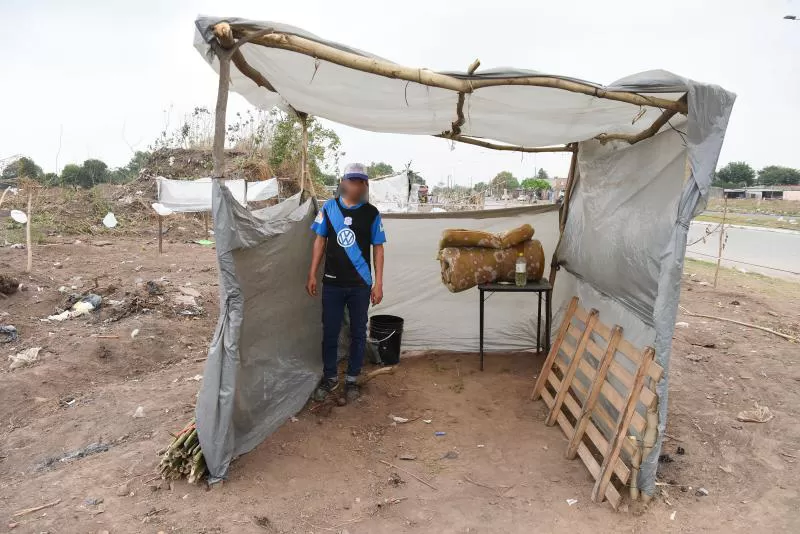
347 227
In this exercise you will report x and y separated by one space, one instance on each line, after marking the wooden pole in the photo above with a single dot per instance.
721 239
644 134
562 223
28 241
301 45
509 148
160 234
218 152
205 224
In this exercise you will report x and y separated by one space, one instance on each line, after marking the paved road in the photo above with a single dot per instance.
766 251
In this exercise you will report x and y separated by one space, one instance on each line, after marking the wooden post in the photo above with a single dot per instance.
160 234
218 152
721 238
564 211
28 242
304 174
205 224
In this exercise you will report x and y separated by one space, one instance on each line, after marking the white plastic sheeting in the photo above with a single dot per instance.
188 196
390 194
625 240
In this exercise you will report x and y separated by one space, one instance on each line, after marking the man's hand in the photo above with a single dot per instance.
377 294
311 286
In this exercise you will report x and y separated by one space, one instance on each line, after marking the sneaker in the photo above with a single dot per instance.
352 391
327 386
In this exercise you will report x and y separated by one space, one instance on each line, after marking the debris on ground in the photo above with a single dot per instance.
395 479
680 450
84 306
134 333
17 246
665 459
139 413
184 300
154 288
440 433
92 448
397 419
682 324
408 457
572 501
450 455
8 333
8 285
24 358
189 291
759 414
701 492
110 221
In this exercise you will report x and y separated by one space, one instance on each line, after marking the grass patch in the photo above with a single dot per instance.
752 205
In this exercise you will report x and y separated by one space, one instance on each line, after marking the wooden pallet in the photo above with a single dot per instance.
597 386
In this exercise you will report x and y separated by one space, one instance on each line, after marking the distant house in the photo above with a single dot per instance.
778 192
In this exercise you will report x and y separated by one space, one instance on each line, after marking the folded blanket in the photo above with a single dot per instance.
479 238
465 267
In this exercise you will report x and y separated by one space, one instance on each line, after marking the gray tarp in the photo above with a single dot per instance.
623 247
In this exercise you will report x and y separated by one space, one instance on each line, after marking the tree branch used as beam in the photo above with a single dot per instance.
388 69
509 148
455 128
644 134
218 150
224 35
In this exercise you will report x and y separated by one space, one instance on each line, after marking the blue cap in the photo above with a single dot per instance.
355 171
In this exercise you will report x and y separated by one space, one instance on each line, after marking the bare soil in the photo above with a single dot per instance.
498 468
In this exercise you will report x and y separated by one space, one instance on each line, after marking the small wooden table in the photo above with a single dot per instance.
533 286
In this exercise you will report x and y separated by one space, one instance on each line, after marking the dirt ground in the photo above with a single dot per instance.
498 468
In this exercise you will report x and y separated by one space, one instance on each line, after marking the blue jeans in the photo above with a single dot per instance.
334 300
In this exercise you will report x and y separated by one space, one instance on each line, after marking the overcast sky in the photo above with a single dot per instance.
103 76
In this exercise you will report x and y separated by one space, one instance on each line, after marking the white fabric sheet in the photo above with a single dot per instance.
189 196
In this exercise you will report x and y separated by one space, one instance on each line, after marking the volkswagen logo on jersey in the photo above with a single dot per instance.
346 238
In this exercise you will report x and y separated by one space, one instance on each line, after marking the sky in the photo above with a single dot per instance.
100 79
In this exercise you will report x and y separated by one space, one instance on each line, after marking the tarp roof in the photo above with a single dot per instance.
511 111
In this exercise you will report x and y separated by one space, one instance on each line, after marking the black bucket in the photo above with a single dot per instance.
386 333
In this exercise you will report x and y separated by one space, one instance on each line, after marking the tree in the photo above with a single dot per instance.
504 180
94 172
481 186
375 170
536 184
777 175
23 168
286 144
542 175
736 173
72 175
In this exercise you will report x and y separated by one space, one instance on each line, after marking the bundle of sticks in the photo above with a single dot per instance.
183 457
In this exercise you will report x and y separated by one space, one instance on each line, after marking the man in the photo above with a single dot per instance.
347 227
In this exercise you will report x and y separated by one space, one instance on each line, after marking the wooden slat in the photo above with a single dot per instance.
573 366
620 432
548 363
595 350
554 381
604 331
573 407
563 422
620 469
615 399
594 393
630 352
575 332
598 412
567 351
655 372
547 398
591 464
588 460
581 314
622 374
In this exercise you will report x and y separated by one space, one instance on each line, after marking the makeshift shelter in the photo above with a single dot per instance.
643 153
